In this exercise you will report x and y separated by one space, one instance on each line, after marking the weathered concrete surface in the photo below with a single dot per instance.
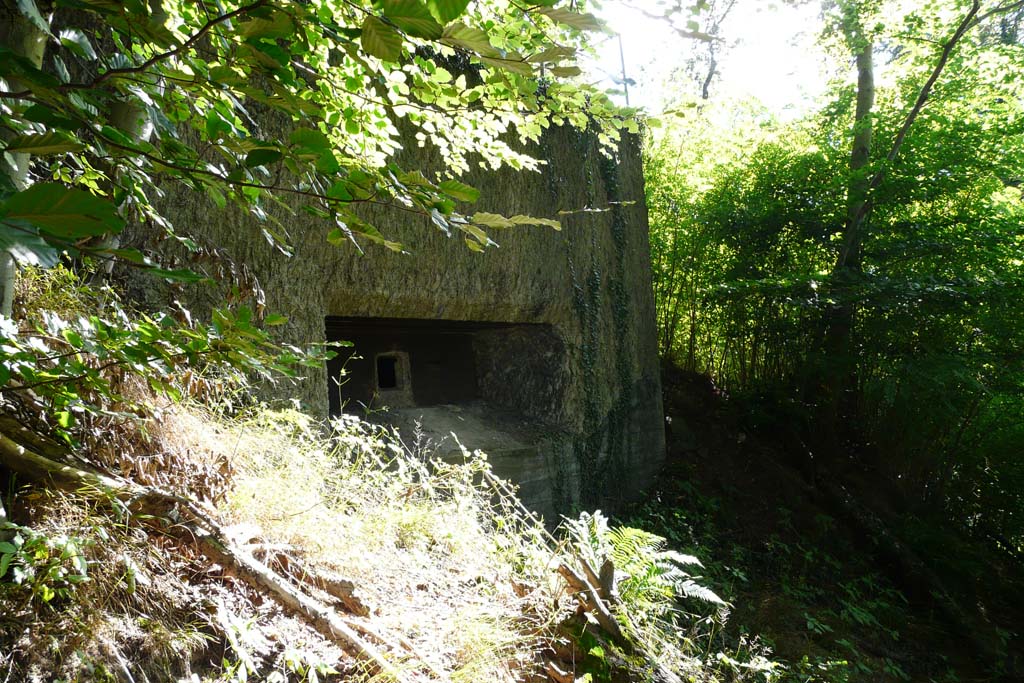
590 385
516 447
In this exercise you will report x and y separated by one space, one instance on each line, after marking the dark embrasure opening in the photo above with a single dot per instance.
403 363
387 372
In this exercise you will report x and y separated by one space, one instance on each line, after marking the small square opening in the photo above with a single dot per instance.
387 372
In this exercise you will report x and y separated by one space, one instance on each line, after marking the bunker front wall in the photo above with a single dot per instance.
565 330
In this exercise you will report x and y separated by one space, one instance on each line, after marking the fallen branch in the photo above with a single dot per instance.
19 459
228 627
592 602
211 536
607 582
593 580
19 433
323 618
557 673
342 590
392 640
593 589
338 588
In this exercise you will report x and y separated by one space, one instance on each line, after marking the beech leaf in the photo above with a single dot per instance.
380 40
62 212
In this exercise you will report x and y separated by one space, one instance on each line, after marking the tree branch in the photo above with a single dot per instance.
922 98
191 41
1001 9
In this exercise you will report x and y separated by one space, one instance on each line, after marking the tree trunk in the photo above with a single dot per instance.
859 184
836 399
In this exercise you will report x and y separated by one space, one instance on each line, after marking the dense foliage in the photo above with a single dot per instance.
262 102
282 109
751 246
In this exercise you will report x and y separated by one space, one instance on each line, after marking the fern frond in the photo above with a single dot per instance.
692 589
680 558
650 578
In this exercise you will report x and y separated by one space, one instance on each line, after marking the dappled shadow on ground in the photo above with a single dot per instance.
827 601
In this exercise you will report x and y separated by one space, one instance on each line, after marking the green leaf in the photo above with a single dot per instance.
360 178
532 220
53 142
414 178
130 255
217 126
264 55
15 65
446 11
315 211
63 212
460 191
468 38
380 40
513 65
552 54
26 246
413 17
39 113
278 25
477 233
491 220
275 319
226 75
338 237
565 71
155 31
340 191
328 164
310 141
31 12
577 20
76 41
217 196
81 565
263 156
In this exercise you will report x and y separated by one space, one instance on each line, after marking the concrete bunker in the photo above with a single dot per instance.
542 353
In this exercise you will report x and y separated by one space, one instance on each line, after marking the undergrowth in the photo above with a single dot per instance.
803 614
441 566
88 595
442 560
434 558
